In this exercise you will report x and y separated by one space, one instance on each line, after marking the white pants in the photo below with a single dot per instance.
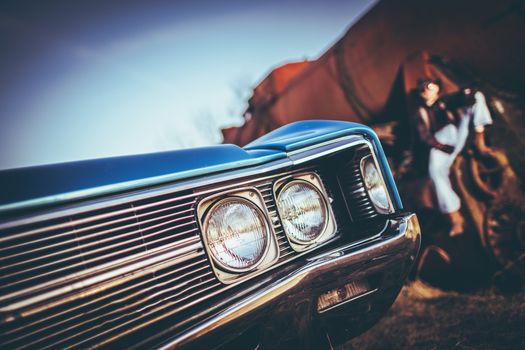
439 162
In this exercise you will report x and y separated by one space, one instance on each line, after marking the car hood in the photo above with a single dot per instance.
24 188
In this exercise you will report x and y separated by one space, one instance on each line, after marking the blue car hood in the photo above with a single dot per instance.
56 183
294 136
73 180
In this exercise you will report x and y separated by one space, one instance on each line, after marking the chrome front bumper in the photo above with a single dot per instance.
284 310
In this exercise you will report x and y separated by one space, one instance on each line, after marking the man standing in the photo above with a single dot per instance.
445 132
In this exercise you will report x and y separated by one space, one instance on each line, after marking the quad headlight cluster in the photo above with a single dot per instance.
238 231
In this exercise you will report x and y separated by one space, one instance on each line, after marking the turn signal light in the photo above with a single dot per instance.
346 293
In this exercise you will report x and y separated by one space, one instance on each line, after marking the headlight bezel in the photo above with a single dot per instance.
225 273
330 227
379 209
324 205
263 219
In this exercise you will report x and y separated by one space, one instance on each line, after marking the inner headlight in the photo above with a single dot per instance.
303 211
375 185
237 234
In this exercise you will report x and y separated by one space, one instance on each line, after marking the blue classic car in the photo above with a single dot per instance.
298 240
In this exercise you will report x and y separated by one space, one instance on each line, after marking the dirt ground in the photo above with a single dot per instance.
426 318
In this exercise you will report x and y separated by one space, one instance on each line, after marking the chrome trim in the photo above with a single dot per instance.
281 184
380 210
78 282
341 145
264 216
324 201
204 206
85 283
140 194
294 158
408 230
323 148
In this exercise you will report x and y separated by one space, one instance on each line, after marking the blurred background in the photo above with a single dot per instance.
101 79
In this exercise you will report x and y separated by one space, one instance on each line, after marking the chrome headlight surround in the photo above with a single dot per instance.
375 186
251 198
329 227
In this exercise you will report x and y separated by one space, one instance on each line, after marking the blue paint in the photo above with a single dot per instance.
49 184
294 136
302 134
55 183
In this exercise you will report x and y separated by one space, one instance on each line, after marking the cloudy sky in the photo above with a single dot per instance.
93 79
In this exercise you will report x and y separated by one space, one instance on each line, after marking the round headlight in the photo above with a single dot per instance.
303 211
237 234
374 185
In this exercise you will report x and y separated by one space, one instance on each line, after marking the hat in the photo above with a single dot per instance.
422 83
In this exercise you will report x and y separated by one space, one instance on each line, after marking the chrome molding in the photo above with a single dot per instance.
294 158
330 228
271 254
408 231
139 194
390 204
73 286
329 147
130 267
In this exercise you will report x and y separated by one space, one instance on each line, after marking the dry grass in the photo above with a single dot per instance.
427 318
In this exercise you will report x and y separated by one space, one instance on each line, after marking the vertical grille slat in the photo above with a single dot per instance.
353 188
286 252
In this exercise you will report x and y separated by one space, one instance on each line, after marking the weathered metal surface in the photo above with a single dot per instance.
356 78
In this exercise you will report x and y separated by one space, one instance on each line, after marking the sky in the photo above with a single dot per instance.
82 80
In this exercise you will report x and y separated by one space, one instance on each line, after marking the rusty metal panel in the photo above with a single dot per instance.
354 79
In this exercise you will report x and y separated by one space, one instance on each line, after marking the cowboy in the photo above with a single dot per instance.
445 129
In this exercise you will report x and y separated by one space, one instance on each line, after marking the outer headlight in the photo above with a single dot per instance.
375 185
303 211
237 234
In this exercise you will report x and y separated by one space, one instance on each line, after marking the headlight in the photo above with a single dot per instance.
237 234
375 185
303 211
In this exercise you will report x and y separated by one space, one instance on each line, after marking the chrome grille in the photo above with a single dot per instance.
286 251
106 274
96 276
353 188
91 277
52 251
